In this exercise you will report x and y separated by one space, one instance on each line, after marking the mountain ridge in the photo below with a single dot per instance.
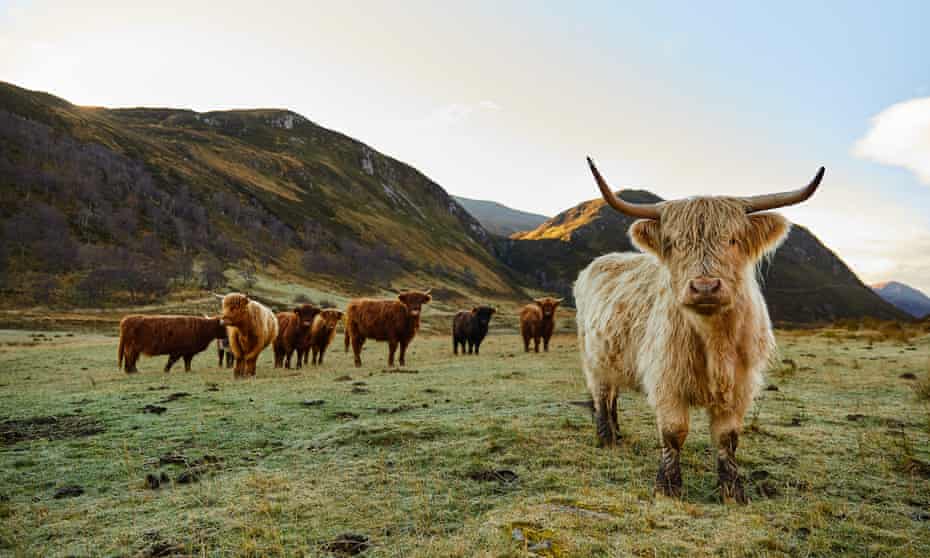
907 298
805 281
500 219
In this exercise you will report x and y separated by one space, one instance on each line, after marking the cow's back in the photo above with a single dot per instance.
614 296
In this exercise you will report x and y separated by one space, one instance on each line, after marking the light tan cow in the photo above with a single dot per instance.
684 322
251 327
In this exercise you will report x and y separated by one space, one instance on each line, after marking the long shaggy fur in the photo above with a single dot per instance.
394 321
634 332
251 327
293 327
537 322
321 334
176 336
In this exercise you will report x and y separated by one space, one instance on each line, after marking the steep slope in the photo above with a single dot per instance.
498 218
146 189
904 297
805 282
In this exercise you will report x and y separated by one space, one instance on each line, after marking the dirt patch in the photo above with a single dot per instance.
345 415
345 378
347 544
771 387
399 371
153 482
154 409
908 376
312 402
175 396
856 417
49 428
69 491
359 389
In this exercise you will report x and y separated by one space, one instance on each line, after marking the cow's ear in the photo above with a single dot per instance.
474 310
766 233
296 310
493 310
646 236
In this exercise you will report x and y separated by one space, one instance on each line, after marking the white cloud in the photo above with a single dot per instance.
900 136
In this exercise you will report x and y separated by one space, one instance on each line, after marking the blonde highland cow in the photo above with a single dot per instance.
684 322
251 327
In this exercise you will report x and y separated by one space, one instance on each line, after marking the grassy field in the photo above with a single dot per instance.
487 456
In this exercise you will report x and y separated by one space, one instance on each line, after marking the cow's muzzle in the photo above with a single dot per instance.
705 296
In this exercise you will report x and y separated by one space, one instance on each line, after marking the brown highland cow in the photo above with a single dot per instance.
537 321
321 335
293 327
394 321
175 336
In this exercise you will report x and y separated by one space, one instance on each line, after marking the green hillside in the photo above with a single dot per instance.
126 205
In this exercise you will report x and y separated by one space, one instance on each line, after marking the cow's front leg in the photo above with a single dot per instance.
673 422
392 348
725 429
403 352
605 417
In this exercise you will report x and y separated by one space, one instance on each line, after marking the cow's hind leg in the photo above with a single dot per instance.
357 342
171 360
187 362
673 419
320 359
725 430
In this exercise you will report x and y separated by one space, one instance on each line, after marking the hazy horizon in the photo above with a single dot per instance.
503 102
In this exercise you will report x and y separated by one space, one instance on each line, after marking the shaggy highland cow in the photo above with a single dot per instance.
394 321
537 321
470 328
251 327
175 336
684 322
293 327
321 335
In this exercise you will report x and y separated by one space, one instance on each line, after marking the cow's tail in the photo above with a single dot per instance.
347 338
119 352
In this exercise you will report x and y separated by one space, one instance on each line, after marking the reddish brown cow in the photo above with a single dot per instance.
321 335
292 328
537 321
394 321
175 336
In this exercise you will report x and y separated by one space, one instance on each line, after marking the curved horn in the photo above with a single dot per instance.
644 210
782 199
221 297
428 291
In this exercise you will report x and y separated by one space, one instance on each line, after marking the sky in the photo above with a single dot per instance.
503 100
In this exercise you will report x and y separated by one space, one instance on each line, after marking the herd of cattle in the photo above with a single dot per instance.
684 322
246 327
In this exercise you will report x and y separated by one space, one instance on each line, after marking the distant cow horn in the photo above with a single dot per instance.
782 199
221 297
644 210
428 291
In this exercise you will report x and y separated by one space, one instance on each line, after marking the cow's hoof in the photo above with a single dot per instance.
668 482
732 492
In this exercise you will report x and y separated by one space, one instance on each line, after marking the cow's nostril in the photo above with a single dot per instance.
705 286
